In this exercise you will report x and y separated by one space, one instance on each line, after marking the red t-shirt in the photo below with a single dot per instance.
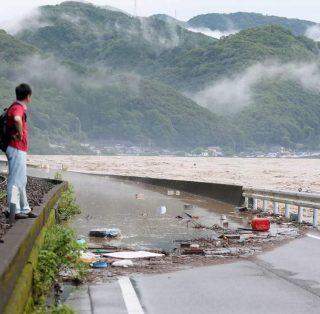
20 110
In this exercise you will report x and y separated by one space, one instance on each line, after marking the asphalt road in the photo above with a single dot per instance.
285 280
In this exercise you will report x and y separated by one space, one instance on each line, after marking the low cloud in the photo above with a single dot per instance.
313 32
30 20
232 94
213 33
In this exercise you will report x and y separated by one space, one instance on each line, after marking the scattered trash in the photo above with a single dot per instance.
105 233
133 255
242 209
140 196
260 224
68 274
224 221
291 232
100 264
81 241
162 210
189 206
294 217
178 193
123 263
170 193
232 251
230 236
194 246
88 257
179 217
185 245
193 251
101 251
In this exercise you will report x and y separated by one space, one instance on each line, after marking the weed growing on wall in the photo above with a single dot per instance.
59 251
67 206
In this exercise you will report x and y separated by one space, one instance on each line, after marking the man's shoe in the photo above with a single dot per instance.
21 216
32 215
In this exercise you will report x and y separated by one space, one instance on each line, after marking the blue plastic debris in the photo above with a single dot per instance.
100 264
81 241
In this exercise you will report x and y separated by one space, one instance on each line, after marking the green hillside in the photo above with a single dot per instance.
242 21
80 31
102 76
74 104
193 69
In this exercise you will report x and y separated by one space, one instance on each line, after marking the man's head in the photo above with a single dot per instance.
23 93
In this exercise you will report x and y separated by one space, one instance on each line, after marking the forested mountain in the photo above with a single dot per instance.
194 68
90 34
101 75
242 21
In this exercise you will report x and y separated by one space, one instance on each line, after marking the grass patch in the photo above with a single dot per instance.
60 250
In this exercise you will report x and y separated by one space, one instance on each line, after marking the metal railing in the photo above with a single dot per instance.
302 200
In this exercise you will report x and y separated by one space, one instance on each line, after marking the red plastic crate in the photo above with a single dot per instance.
260 224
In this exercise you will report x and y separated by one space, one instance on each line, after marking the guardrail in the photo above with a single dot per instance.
301 200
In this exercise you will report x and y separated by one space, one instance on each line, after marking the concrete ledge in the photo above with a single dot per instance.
231 194
19 255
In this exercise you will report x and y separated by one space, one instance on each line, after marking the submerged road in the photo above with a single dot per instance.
286 280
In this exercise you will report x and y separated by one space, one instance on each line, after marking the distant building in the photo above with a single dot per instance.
214 151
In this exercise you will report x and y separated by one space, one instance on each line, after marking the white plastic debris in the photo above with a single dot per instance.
133 255
162 210
170 192
123 263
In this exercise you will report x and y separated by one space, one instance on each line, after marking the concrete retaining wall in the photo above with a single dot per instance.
19 253
231 194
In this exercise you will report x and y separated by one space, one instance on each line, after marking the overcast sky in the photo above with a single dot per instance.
303 9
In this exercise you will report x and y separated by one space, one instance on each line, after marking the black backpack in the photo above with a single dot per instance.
4 130
4 136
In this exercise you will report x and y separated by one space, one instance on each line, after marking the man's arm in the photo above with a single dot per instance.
18 124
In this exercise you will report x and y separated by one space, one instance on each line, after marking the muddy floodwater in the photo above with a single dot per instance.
134 209
270 173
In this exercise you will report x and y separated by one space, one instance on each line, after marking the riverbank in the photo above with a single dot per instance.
268 173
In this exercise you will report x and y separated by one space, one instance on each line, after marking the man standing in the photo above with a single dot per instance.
17 152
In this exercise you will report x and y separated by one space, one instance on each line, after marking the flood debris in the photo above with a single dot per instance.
133 255
100 264
162 210
189 206
88 257
123 263
105 233
81 241
140 196
260 224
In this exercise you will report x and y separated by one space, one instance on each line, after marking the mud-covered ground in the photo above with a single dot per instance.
36 189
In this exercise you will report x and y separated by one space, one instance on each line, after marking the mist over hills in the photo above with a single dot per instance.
242 21
104 76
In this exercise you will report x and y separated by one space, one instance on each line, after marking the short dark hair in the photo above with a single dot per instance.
23 91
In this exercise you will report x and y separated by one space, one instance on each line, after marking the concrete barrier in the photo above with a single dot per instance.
19 253
231 194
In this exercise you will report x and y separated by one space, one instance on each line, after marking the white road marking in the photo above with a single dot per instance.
130 297
313 236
